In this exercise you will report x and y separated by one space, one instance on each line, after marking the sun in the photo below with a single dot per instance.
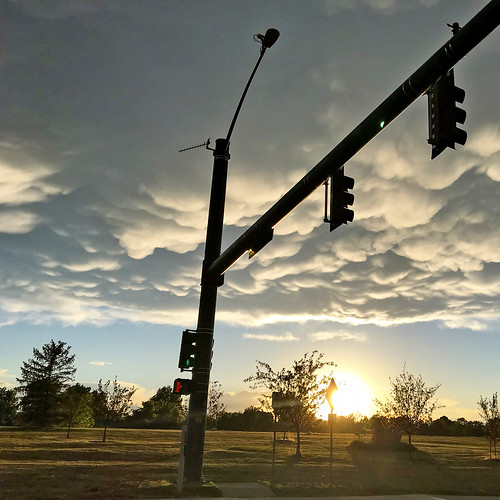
353 396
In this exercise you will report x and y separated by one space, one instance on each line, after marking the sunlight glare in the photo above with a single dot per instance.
353 396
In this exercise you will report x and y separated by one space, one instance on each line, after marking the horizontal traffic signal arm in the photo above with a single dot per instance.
478 28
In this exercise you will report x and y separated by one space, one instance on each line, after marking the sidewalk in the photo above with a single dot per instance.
245 490
237 491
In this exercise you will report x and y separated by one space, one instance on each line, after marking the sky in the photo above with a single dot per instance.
102 220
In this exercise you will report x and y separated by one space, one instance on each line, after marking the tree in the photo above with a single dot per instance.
251 419
76 407
164 409
302 390
111 405
7 406
488 410
409 405
43 379
215 407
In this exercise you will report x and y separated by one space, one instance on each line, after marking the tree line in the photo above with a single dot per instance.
407 409
47 397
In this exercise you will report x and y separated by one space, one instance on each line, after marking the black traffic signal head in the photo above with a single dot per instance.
340 198
187 357
182 386
444 114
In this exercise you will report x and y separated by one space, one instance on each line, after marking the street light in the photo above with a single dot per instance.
190 469
267 40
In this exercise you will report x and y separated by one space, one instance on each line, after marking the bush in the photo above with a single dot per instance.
384 434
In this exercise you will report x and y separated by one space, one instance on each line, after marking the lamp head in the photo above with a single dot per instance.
267 40
272 34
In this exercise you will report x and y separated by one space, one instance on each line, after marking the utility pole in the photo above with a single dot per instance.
197 415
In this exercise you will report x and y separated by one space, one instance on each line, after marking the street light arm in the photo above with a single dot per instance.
267 41
237 112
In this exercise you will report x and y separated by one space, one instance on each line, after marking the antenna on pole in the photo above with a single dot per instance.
206 144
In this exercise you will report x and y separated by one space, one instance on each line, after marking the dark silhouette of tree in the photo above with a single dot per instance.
216 407
302 390
443 426
7 406
111 404
76 407
488 411
251 419
409 405
43 379
164 410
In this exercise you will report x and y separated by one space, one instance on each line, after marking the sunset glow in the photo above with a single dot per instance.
353 396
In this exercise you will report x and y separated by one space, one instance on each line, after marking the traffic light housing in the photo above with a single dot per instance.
187 356
444 114
340 198
182 386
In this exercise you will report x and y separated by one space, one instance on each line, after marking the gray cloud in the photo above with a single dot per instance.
103 219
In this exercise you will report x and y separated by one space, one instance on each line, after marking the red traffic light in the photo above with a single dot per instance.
182 386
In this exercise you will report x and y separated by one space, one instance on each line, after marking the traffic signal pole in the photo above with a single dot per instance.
197 414
478 28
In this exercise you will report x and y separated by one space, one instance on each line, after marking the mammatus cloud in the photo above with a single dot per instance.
486 141
24 179
17 221
341 335
58 9
285 337
383 6
102 220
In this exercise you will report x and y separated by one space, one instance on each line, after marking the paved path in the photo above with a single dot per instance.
237 491
245 490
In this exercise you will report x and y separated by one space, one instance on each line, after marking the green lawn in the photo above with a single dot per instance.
143 464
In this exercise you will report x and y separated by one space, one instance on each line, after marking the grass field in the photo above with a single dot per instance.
143 464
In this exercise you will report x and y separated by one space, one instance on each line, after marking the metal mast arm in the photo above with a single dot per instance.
478 28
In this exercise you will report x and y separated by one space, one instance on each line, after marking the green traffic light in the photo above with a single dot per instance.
382 124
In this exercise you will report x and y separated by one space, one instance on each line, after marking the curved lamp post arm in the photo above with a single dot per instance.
267 41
